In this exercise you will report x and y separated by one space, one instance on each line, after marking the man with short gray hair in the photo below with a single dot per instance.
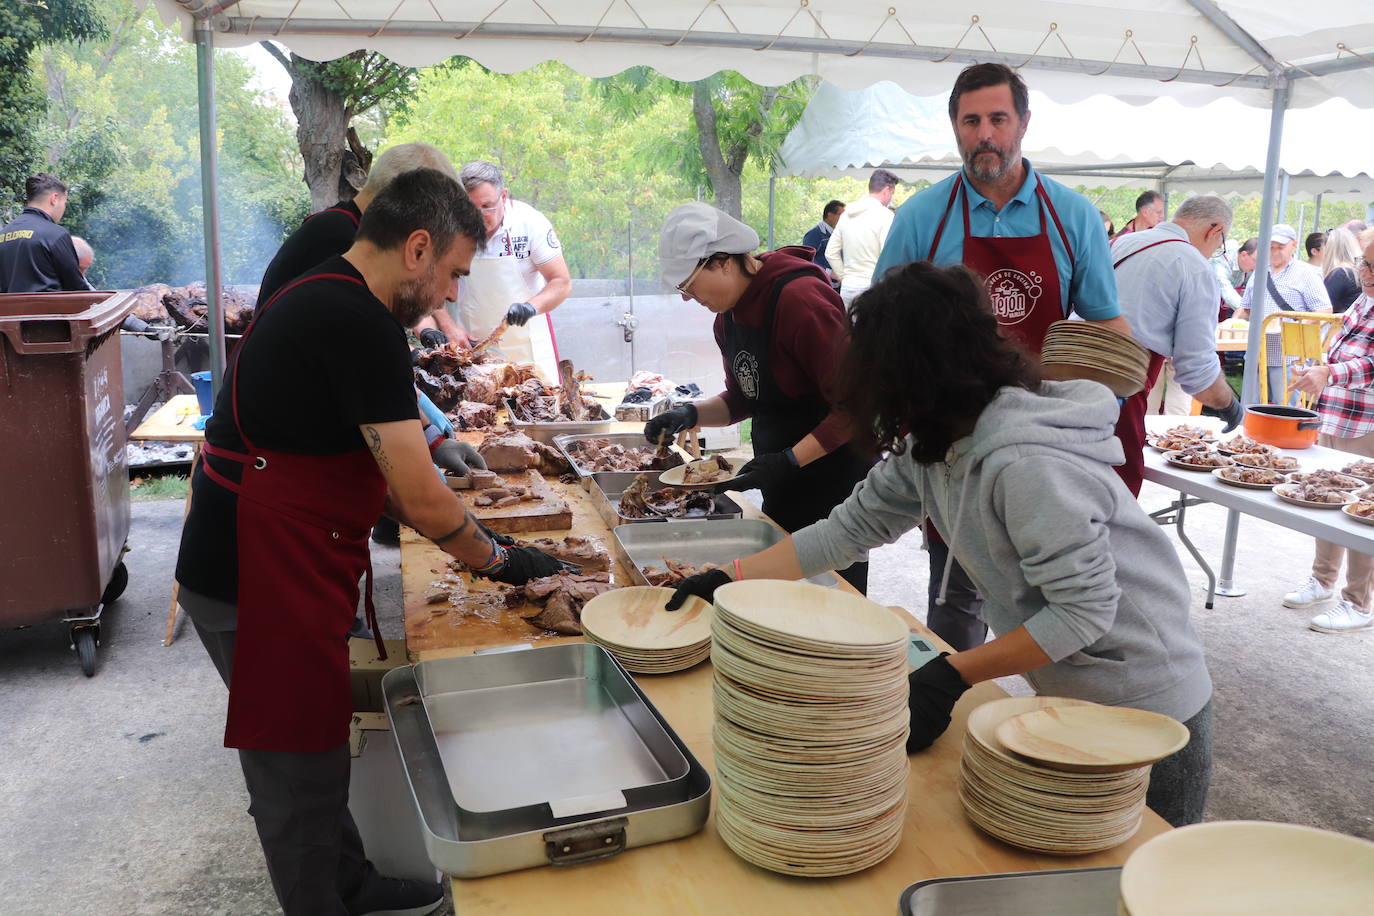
517 278
1169 294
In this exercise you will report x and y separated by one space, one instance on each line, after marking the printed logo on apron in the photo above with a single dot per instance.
1014 294
746 369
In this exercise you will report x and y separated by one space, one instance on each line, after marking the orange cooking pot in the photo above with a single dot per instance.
1282 427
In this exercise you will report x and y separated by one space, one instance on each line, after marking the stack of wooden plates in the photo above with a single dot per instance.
632 625
1087 350
1249 868
1083 790
810 728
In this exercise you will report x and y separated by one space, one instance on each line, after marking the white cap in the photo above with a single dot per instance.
695 231
1283 233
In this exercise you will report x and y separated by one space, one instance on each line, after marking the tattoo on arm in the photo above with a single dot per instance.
374 442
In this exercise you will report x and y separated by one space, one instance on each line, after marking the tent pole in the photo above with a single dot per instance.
209 195
1250 390
1317 215
1281 213
772 208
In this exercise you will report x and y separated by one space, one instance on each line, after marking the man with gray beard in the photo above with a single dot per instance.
276 539
1038 245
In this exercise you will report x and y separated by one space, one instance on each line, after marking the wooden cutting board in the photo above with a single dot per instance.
551 513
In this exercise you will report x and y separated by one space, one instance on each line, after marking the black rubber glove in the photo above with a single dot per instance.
457 457
935 688
433 337
702 584
519 313
525 563
764 472
505 540
673 421
1231 415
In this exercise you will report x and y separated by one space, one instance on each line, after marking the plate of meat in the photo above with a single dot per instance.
1198 461
708 472
1191 432
1176 444
1250 478
1265 460
1360 511
1240 445
1328 478
1361 469
1314 495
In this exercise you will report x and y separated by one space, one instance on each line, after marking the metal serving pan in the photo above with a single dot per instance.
626 440
1058 892
697 542
545 432
538 757
607 487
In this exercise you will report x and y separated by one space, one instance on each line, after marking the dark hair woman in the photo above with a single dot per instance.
1016 475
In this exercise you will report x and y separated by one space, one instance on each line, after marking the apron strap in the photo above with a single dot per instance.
1045 204
348 213
949 205
370 611
1116 264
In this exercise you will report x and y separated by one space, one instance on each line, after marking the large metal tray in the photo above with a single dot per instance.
545 432
1058 892
697 542
537 757
607 487
625 440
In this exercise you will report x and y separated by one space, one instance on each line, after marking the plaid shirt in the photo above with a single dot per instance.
1346 405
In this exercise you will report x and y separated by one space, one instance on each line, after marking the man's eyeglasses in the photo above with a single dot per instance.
1362 264
492 209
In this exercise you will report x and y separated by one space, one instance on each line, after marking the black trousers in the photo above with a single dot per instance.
959 621
299 801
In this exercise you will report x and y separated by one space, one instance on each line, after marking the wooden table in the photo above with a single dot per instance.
699 874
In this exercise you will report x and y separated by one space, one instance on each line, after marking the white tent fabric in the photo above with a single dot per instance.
1138 50
1325 148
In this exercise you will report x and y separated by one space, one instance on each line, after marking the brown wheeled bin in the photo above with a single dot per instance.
64 474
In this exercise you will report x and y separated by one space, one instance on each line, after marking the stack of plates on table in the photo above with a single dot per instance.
1087 350
1082 792
1249 868
631 624
810 729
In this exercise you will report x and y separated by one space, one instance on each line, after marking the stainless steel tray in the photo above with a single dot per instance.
537 757
626 440
697 542
1058 892
545 432
607 487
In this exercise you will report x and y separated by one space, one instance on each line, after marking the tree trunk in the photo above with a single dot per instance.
321 132
724 181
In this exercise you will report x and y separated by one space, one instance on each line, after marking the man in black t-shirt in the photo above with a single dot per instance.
36 254
276 538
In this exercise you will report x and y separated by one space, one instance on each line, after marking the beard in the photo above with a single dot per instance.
417 297
1005 160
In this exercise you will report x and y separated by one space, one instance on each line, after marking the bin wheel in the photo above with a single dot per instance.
119 580
84 638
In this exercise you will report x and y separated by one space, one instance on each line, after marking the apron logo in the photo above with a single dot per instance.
746 369
1013 293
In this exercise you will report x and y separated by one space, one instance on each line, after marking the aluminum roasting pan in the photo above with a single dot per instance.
1058 892
625 440
607 487
545 432
545 756
697 542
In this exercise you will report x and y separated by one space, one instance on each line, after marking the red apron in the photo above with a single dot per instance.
1021 276
1130 425
303 524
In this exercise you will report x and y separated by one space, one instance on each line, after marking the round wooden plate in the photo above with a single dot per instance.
1284 491
1219 475
634 618
1343 482
1177 460
811 614
673 476
1368 520
1092 739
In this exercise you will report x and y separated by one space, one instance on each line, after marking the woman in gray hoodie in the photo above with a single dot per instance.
1085 594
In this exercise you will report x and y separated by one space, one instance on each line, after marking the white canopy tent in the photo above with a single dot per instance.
1260 54
1100 141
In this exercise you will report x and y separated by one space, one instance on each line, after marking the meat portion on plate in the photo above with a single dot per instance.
708 470
558 600
1328 478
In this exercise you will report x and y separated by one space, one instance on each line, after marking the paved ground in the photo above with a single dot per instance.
116 796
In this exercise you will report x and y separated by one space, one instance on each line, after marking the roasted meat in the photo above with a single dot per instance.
587 552
1328 478
560 598
604 455
537 403
475 415
708 470
445 391
673 572
675 502
507 450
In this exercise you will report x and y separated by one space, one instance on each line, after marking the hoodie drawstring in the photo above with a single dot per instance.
949 558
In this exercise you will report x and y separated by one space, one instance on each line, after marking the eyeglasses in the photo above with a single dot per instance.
1362 264
492 209
682 287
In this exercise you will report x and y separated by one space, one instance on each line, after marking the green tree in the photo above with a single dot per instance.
26 25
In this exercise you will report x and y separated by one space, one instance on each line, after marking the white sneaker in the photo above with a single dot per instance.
1311 592
1343 618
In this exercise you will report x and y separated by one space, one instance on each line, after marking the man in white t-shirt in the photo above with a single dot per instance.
519 277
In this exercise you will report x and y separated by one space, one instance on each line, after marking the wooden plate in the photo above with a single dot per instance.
1176 459
673 476
1092 739
1217 473
1284 491
1359 518
1240 459
634 618
1230 868
1342 482
1367 478
813 613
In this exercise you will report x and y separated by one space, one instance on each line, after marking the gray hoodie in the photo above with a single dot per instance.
1030 506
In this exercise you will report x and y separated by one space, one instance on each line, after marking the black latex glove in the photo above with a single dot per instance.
763 472
702 584
935 688
673 421
525 563
519 313
505 540
433 337
457 457
1231 415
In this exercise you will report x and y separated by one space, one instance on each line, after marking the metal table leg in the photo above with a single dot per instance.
1226 587
1173 514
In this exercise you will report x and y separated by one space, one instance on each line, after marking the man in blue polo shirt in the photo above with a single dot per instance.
1039 246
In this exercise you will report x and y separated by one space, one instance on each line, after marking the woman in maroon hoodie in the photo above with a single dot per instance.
782 330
